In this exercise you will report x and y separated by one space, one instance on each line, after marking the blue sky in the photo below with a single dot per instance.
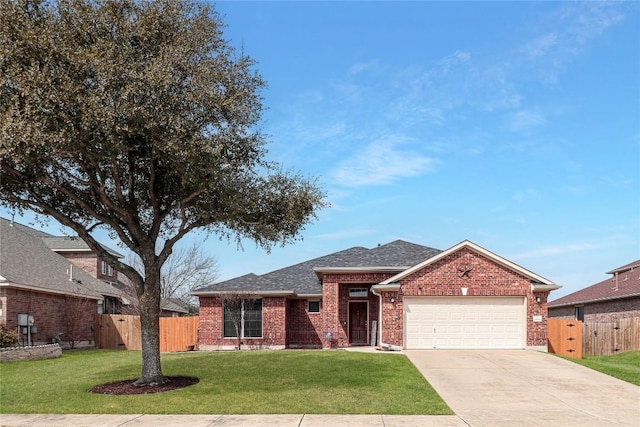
515 125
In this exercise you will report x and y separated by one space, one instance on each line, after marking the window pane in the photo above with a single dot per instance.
253 319
229 328
251 324
358 293
314 307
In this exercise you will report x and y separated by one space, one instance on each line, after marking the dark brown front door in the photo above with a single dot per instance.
358 322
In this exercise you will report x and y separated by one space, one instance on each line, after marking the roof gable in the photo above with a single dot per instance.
73 244
625 283
25 261
548 285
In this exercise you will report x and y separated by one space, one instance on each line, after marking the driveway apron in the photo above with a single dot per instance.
526 388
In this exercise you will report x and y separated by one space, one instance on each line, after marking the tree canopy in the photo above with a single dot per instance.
138 117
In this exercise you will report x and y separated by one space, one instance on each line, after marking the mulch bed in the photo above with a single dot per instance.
126 387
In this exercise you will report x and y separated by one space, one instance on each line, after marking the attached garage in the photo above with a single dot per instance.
464 322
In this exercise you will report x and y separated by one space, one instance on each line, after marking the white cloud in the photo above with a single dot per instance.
359 67
382 162
571 29
541 45
453 60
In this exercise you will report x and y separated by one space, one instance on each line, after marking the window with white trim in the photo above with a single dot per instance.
103 267
251 320
313 306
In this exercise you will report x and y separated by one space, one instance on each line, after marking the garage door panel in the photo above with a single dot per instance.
464 322
485 317
441 316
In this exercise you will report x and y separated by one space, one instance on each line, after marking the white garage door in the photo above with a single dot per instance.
464 322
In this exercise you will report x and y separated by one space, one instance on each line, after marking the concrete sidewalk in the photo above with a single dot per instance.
313 420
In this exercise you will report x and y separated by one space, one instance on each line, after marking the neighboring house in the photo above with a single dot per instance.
80 254
173 307
42 294
617 297
398 295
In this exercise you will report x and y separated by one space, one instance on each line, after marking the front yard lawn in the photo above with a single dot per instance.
267 382
625 366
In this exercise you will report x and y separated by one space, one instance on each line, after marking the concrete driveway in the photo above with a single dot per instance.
526 388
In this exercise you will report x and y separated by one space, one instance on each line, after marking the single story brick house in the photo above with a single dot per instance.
397 295
615 298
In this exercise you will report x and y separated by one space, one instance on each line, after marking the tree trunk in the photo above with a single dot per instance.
150 329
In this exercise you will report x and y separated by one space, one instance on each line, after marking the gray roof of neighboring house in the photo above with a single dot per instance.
26 261
71 244
302 279
58 243
173 304
26 229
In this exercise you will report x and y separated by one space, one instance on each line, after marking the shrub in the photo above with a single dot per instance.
7 337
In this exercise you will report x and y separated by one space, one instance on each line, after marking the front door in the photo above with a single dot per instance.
358 316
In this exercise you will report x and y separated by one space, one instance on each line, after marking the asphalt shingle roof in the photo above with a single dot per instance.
27 261
61 243
625 285
302 279
28 230
72 243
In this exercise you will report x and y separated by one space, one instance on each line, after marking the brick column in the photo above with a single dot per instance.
330 308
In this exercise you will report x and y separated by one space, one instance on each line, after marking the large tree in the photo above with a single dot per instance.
138 117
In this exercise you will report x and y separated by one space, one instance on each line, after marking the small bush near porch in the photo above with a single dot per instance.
267 382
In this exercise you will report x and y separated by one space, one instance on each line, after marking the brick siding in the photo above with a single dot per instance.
601 312
52 314
87 261
211 328
335 289
304 330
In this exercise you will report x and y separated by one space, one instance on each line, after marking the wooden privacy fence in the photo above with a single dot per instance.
564 337
612 337
574 338
115 331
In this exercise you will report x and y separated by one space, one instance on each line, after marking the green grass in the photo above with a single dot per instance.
269 382
625 366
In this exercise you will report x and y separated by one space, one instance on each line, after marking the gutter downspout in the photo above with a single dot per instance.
382 344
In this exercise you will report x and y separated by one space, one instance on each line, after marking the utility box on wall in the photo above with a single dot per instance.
25 320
